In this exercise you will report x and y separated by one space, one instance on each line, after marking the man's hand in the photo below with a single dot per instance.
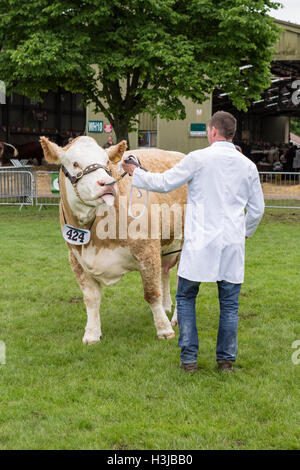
129 168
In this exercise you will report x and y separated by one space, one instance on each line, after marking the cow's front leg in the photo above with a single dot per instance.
174 321
92 297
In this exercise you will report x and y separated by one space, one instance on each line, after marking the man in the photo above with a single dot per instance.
109 143
222 182
289 156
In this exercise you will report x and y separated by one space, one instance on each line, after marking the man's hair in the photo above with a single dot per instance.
224 122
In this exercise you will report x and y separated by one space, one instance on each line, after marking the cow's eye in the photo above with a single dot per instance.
75 165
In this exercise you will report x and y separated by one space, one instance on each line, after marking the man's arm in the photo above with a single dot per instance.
164 182
255 205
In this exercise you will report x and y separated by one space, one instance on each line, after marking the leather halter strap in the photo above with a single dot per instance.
93 167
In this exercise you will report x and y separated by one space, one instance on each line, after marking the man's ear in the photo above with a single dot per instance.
52 152
115 152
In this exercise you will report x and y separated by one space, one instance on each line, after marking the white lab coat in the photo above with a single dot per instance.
222 182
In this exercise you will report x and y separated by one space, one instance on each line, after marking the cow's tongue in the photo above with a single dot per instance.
108 199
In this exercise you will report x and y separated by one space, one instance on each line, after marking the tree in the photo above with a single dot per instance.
295 126
133 56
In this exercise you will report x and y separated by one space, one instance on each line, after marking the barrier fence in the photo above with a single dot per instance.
47 188
281 189
17 187
29 187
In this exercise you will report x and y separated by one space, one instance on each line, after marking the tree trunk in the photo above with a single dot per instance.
121 132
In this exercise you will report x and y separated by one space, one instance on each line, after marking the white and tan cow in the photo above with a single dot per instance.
128 244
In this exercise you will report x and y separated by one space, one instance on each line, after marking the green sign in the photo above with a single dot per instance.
54 183
198 130
95 126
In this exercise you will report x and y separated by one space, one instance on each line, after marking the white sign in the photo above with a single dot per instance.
75 236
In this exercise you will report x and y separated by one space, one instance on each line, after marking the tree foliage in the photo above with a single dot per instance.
295 126
128 57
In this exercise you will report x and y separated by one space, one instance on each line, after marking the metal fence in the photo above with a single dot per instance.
47 189
26 187
281 189
16 187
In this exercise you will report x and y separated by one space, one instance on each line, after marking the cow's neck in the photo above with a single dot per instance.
78 216
74 212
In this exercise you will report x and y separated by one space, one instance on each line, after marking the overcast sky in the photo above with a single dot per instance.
289 12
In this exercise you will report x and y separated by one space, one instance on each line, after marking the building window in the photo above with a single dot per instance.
147 138
147 135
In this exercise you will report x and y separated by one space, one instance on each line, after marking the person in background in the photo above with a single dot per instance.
222 183
109 143
289 156
296 162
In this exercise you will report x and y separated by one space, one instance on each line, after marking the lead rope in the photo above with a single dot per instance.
135 161
130 203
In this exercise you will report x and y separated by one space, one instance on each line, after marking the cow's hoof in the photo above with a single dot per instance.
91 339
166 335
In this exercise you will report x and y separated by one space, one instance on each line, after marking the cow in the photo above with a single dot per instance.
7 152
31 151
88 200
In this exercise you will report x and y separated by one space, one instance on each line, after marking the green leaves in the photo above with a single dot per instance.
180 49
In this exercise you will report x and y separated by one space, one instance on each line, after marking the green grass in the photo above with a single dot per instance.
128 392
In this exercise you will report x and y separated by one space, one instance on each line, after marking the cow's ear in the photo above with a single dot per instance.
115 152
52 152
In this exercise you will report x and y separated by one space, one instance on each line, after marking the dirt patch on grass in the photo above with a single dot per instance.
75 300
281 215
245 316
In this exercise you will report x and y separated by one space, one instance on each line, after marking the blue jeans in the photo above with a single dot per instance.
228 324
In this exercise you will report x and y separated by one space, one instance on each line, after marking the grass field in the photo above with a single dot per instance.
128 392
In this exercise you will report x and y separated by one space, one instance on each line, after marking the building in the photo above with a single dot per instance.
265 122
59 116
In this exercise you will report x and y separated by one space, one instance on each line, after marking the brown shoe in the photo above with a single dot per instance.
225 365
189 366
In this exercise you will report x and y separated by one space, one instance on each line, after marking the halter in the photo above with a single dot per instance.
89 169
93 167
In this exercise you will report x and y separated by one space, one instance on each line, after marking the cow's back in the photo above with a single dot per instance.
156 161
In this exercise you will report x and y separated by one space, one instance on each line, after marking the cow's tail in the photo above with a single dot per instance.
16 153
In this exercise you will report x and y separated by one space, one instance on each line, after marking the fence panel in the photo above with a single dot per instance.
47 188
16 187
281 189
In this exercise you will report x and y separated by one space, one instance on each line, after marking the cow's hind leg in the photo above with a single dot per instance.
150 270
165 287
92 298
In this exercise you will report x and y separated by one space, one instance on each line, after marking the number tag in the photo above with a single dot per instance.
75 236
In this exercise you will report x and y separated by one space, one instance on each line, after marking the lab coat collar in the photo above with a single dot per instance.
223 142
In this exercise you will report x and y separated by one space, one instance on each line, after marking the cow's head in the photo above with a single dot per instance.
92 189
